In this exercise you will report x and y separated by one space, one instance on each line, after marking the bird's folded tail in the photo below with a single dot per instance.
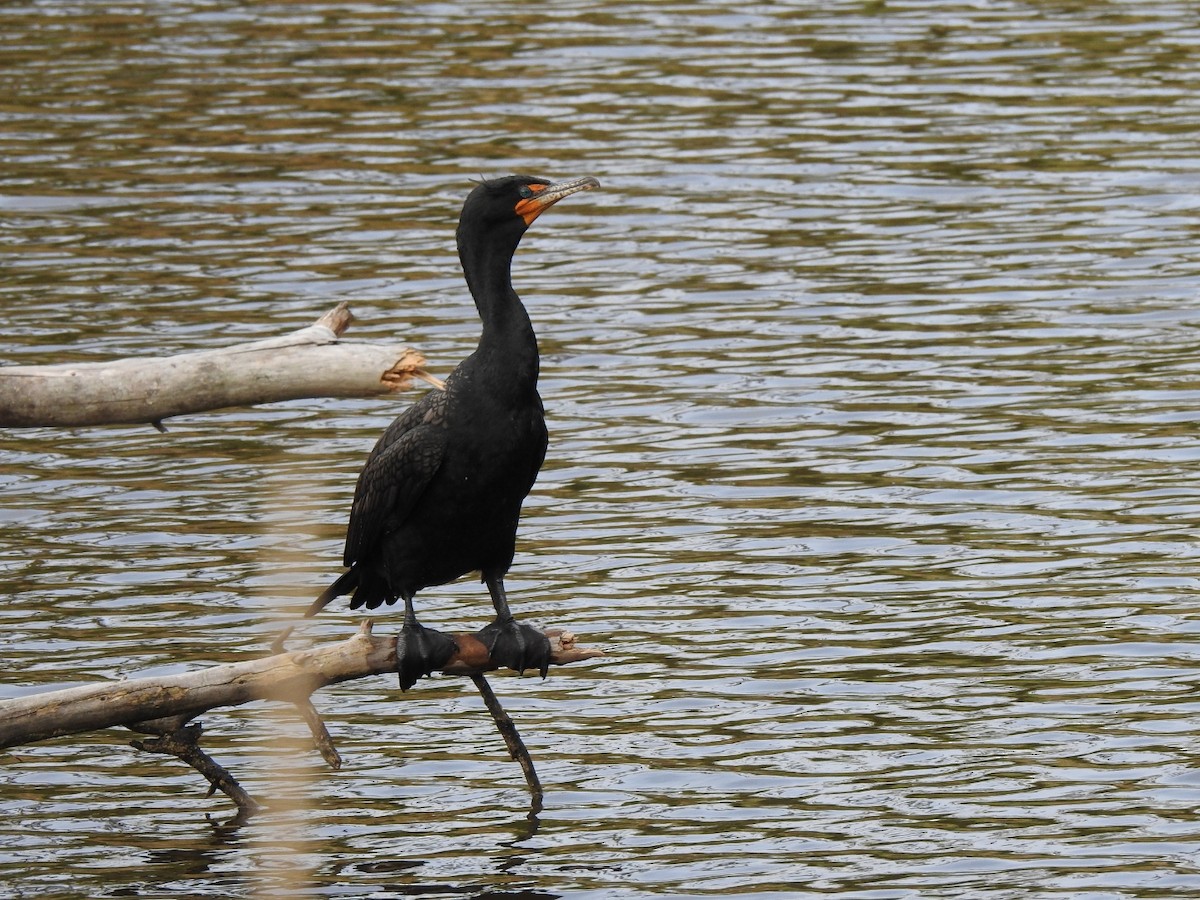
346 582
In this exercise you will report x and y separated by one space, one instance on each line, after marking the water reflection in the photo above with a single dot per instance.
870 379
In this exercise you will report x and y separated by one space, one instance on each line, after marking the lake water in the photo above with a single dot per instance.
872 377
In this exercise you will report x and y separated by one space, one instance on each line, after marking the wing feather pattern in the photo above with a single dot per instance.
397 471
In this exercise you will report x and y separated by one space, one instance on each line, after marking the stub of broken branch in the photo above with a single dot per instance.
337 320
409 366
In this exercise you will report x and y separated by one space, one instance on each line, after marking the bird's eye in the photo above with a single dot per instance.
525 191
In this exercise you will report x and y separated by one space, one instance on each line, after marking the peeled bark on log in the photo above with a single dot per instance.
310 362
288 677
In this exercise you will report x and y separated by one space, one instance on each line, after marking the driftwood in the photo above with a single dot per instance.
164 706
311 362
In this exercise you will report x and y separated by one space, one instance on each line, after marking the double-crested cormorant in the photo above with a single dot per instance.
441 492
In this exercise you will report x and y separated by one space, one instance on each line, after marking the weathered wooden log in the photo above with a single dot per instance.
288 677
165 706
311 362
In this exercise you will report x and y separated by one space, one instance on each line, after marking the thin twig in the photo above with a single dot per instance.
321 736
322 739
279 645
512 739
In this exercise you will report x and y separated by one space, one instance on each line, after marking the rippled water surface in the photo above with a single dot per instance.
872 381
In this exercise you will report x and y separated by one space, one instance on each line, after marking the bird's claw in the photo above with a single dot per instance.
420 651
517 646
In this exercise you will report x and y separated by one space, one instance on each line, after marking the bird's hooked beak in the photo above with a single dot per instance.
546 195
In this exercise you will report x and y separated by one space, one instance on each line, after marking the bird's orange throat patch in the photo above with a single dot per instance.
532 207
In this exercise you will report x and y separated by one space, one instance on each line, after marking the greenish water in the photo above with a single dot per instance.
872 383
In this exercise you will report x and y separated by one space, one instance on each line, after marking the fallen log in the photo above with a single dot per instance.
310 362
164 705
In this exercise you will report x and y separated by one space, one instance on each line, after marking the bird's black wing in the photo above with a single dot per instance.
398 469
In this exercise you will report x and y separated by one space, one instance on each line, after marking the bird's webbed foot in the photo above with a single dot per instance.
420 651
517 646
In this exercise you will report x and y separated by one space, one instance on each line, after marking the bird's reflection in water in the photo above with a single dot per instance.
509 856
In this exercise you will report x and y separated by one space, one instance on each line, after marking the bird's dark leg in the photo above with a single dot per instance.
419 650
509 642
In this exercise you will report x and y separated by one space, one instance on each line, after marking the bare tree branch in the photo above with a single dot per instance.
311 362
512 740
287 677
184 744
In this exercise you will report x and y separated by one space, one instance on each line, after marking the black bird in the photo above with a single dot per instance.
441 492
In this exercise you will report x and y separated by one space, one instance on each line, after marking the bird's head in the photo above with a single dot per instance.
502 208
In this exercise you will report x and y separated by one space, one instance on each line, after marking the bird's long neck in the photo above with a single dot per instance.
508 343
